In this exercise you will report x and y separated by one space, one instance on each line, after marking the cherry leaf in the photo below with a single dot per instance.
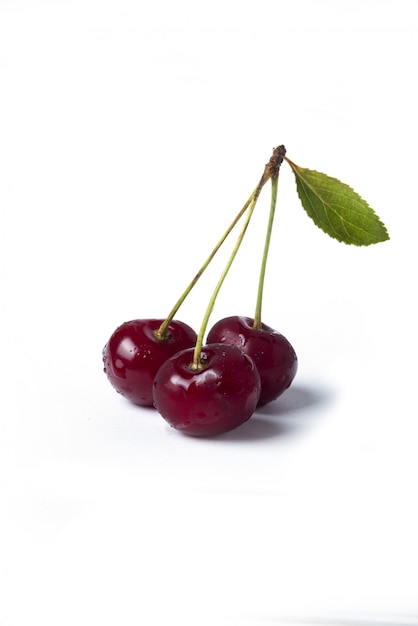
337 209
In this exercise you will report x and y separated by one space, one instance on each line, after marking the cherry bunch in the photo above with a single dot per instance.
209 389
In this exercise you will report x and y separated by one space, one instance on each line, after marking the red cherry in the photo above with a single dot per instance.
273 355
133 355
219 397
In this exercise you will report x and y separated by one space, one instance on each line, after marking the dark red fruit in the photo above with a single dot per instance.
133 355
273 355
219 397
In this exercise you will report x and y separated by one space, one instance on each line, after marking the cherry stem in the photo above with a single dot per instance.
197 364
161 333
257 315
272 169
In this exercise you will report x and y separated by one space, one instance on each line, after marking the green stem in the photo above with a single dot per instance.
271 171
257 315
196 364
161 333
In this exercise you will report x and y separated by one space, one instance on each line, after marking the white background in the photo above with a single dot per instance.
130 135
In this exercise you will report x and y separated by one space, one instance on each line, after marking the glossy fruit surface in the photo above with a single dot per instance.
133 355
215 399
272 353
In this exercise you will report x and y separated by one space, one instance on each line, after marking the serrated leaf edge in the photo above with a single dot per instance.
299 179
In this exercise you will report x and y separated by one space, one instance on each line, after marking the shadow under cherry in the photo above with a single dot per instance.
289 415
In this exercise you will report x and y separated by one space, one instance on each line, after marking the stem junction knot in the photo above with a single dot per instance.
276 159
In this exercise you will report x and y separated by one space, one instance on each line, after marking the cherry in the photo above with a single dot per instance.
134 353
271 352
218 396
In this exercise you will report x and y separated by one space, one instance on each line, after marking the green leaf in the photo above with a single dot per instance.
337 209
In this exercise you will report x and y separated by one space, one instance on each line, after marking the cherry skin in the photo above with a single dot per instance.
273 355
214 399
133 355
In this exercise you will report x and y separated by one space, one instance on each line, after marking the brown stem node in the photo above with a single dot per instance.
276 159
